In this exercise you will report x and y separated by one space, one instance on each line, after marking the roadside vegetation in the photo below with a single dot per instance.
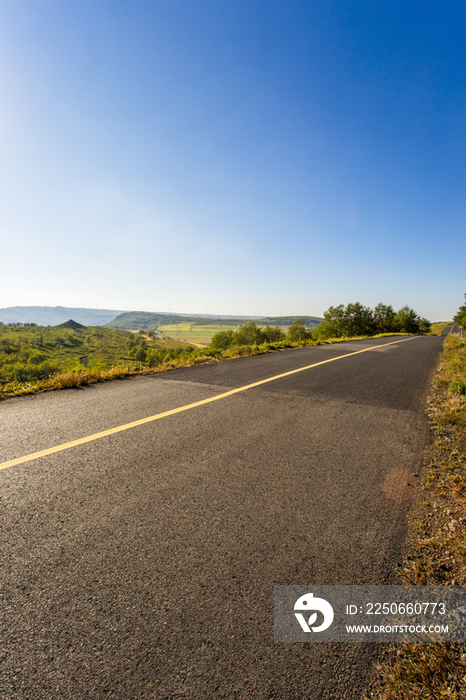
436 545
37 358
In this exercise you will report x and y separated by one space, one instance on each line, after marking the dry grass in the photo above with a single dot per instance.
436 546
423 672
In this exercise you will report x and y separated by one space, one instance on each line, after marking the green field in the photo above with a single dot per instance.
193 332
202 333
196 328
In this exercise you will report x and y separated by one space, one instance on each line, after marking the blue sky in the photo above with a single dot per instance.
240 156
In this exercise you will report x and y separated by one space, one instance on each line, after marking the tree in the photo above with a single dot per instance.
460 317
333 324
341 322
384 318
273 335
425 326
222 340
141 354
297 332
358 320
407 320
151 358
248 334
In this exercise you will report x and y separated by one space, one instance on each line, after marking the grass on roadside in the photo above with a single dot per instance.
436 545
437 328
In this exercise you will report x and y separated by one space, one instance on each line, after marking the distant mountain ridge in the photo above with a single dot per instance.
54 315
308 321
132 320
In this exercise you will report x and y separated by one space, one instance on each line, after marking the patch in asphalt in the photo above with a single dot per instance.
399 485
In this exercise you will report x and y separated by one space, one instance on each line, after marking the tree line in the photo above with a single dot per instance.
355 319
339 322
460 317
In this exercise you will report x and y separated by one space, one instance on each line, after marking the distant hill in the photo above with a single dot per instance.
309 321
54 315
132 320
71 324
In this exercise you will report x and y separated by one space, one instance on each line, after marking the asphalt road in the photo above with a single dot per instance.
142 564
451 328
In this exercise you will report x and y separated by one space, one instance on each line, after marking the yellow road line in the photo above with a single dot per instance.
173 411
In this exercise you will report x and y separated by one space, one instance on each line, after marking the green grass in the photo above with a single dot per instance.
436 544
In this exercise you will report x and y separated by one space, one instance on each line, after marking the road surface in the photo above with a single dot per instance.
141 564
451 328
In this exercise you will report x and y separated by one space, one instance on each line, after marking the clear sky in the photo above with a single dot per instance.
262 157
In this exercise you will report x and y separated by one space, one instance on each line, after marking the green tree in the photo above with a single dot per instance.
222 340
384 318
140 355
70 338
151 358
37 357
460 317
297 332
358 320
333 325
59 340
273 335
343 322
39 338
248 334
9 345
425 326
407 321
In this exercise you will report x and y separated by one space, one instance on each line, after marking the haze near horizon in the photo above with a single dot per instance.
248 158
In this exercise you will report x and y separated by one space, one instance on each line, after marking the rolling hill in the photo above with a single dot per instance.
54 315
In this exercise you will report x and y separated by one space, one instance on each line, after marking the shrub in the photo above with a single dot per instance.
141 354
152 359
43 370
458 387
297 332
248 334
36 357
222 340
67 380
273 335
